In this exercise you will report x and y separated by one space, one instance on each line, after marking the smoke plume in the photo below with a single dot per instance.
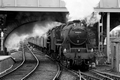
28 30
80 9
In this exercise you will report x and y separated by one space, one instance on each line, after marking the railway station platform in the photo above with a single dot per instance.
17 56
6 63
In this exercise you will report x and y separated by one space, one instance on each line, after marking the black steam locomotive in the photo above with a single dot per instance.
72 44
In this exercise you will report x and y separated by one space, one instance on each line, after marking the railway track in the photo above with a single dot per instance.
100 76
58 73
75 73
78 74
55 74
24 69
91 75
112 76
61 68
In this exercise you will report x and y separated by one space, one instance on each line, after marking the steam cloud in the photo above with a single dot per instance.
26 31
80 9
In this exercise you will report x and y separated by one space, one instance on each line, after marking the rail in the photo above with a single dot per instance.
23 61
110 75
34 67
22 66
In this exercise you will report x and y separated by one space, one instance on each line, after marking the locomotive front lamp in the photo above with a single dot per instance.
92 50
79 50
64 51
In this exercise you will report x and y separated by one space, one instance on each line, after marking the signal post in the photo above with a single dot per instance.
2 29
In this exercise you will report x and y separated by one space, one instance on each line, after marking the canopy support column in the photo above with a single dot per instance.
108 37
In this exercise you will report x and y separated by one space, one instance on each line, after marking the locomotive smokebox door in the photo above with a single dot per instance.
77 34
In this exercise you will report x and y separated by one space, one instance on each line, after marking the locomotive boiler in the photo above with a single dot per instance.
73 44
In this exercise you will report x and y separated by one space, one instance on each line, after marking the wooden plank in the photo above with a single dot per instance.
0 2
44 3
49 3
62 3
54 3
8 2
32 3
108 3
27 3
118 3
21 2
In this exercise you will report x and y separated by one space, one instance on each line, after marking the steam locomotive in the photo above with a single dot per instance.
72 44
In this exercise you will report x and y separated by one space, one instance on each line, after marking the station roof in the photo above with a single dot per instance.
35 9
114 10
57 9
53 5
